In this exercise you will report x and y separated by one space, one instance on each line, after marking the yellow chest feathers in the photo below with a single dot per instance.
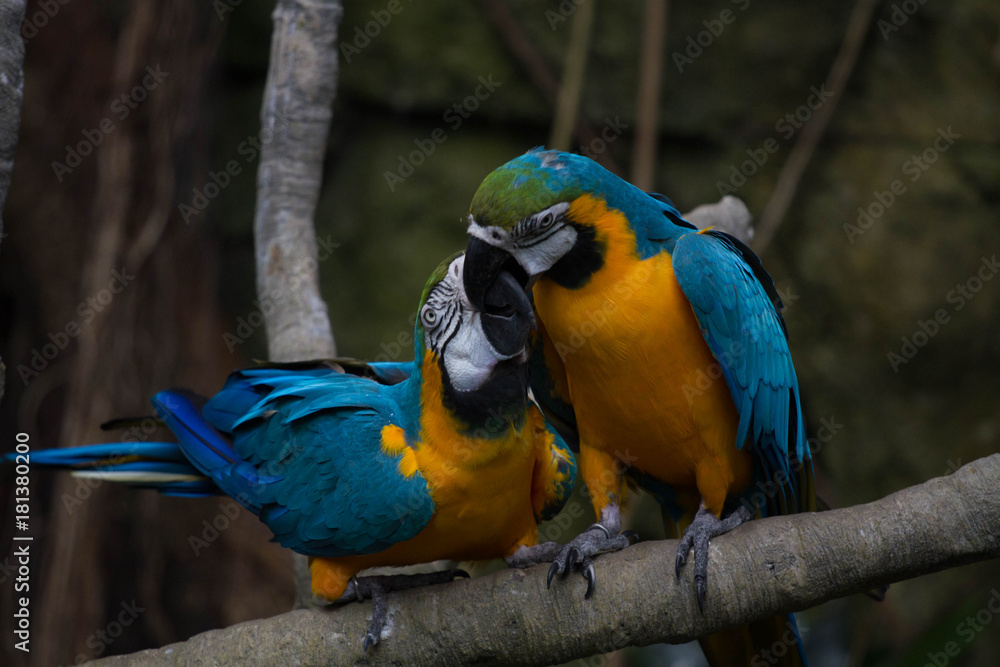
459 467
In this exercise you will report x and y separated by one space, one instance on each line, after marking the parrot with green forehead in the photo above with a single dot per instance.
660 354
388 464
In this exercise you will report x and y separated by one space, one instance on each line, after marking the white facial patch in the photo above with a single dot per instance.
456 332
539 258
537 242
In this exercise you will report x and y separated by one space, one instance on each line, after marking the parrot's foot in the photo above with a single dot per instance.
704 527
377 588
599 538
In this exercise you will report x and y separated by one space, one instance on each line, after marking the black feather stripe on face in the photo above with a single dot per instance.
443 302
574 269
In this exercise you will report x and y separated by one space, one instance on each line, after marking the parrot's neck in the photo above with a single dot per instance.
488 412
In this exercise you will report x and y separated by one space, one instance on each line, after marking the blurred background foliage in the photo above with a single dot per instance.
851 299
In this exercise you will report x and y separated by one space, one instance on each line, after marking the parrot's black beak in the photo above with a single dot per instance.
483 263
507 315
492 285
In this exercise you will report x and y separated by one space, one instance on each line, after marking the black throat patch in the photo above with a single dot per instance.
490 410
585 258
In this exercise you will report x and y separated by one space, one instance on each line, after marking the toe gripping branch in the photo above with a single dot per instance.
579 552
697 536
376 588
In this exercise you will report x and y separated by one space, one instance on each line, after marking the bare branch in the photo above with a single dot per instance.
540 72
571 86
11 94
788 180
729 215
295 121
762 568
647 102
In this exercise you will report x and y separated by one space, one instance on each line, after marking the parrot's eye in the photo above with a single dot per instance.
546 220
429 317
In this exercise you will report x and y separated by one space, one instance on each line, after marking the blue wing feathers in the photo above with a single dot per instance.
738 310
301 448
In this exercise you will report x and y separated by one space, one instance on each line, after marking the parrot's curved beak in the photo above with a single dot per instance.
483 264
507 315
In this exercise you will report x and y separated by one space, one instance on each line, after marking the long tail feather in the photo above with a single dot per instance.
152 465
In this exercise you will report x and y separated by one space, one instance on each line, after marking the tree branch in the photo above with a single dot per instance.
295 120
729 215
647 102
762 568
571 87
11 94
791 173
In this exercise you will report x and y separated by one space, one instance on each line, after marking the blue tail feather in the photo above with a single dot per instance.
92 455
206 448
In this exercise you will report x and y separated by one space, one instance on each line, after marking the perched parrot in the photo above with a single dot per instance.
441 458
661 355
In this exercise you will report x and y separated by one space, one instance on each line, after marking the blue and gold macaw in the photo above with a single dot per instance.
441 458
660 353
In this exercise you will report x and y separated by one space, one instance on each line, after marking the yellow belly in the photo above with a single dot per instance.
645 387
481 490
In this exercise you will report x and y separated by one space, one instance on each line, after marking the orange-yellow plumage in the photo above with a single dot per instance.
485 490
630 344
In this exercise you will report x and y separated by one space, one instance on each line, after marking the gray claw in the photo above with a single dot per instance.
553 571
571 558
590 576
697 536
702 587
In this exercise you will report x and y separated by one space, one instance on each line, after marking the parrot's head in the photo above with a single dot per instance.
546 212
478 352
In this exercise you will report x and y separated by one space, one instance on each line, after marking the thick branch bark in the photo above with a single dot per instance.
11 94
729 215
762 568
295 121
